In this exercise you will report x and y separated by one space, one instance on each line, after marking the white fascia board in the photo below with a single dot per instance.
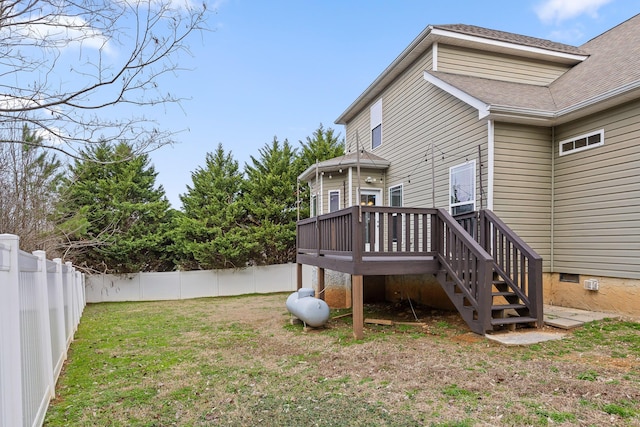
619 91
533 114
507 45
483 108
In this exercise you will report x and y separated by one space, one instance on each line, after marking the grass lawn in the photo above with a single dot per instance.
238 361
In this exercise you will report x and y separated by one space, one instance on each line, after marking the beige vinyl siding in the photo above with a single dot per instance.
597 198
522 184
491 65
415 114
337 182
378 177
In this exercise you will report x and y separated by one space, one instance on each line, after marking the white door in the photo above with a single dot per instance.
371 198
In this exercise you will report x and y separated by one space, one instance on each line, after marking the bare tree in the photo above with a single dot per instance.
67 68
29 178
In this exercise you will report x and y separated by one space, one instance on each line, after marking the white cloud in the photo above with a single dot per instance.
556 11
63 31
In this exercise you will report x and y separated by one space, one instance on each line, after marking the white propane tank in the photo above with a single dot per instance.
311 310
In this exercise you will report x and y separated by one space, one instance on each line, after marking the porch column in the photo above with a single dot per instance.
299 275
320 293
357 306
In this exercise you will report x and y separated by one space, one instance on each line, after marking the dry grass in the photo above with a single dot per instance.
238 361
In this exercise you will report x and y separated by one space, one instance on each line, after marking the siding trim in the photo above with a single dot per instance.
434 56
350 186
483 109
491 146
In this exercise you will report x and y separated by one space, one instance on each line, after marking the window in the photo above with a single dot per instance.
582 142
313 211
334 201
462 188
395 196
395 200
376 124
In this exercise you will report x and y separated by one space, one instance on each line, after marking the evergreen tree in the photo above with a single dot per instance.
323 144
211 233
29 178
269 196
113 218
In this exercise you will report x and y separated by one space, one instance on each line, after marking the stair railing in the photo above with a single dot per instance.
468 265
515 261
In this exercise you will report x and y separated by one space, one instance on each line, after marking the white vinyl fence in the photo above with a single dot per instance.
41 302
176 285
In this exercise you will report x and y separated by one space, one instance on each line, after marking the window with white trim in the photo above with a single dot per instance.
376 124
313 209
462 188
582 142
395 200
334 200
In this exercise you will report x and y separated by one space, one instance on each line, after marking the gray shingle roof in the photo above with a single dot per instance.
367 161
614 62
487 33
495 92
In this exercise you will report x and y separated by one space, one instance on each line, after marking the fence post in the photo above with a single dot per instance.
45 321
60 321
10 357
68 302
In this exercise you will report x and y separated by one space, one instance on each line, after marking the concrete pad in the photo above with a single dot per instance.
524 338
564 323
567 318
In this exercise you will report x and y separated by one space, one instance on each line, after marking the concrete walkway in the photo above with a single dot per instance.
569 318
558 317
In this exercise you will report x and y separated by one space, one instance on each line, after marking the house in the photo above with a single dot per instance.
542 135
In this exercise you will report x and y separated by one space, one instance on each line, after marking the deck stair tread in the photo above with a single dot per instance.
508 306
512 320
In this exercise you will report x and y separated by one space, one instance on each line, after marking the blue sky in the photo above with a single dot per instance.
282 67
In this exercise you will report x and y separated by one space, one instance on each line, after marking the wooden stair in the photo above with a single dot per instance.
509 311
511 295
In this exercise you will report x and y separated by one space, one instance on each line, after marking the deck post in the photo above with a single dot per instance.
357 306
320 292
299 276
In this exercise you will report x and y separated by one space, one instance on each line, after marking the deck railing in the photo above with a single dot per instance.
515 261
368 231
469 269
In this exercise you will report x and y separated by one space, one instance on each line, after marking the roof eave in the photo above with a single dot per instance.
424 41
504 46
417 47
481 106
310 172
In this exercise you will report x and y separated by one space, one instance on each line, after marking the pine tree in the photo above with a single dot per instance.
269 196
113 218
211 232
323 144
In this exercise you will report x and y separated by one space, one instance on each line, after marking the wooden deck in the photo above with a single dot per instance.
476 258
370 240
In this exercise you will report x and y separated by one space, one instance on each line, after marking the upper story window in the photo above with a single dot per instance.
582 142
334 200
462 188
376 124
